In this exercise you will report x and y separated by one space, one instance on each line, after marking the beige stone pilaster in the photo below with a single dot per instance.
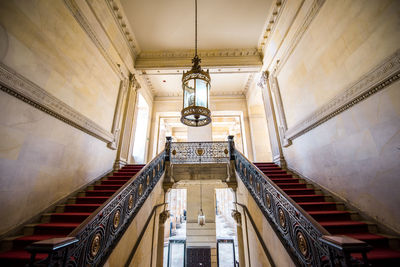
272 124
160 239
238 219
125 136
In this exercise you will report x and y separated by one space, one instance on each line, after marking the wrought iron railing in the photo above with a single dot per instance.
97 236
199 152
304 238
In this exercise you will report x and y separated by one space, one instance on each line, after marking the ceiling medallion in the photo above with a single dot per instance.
196 91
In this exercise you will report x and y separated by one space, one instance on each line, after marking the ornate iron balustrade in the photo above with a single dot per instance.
306 241
198 152
99 233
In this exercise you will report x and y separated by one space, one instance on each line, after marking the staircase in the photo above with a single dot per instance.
65 217
332 216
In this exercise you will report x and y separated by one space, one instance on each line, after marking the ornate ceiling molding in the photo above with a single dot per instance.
27 91
377 79
123 25
84 23
210 58
271 24
248 83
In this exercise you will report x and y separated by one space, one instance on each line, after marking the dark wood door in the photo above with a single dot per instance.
198 257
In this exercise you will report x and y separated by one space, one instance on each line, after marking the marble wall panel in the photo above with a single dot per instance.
344 41
356 155
42 160
45 44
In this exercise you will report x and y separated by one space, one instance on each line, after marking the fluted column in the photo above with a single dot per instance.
160 240
238 219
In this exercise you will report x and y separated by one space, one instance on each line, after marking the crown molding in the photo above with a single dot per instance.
271 24
178 59
20 87
380 77
124 27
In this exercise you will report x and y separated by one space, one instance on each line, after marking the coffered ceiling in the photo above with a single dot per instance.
229 33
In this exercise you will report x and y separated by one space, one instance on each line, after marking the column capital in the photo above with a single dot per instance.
263 79
164 216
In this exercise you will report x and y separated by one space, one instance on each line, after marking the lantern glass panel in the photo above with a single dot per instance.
188 98
201 93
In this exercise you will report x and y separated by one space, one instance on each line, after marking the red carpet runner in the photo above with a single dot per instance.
62 223
336 222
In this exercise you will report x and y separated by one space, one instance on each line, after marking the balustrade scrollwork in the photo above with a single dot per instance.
99 233
199 152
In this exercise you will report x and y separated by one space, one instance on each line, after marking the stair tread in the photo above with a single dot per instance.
35 238
58 224
365 236
316 203
21 254
328 212
341 223
380 254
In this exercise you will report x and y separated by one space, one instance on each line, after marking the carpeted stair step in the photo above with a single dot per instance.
99 193
125 174
63 228
317 206
17 258
106 187
344 227
113 182
273 176
330 215
119 178
77 217
23 242
308 198
291 185
372 239
299 191
91 200
285 180
81 207
380 257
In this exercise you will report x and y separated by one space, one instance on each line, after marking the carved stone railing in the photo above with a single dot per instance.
97 236
199 152
303 237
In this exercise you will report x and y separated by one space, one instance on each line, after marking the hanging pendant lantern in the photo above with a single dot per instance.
196 90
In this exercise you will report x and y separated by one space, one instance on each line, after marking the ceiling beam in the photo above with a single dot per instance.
155 62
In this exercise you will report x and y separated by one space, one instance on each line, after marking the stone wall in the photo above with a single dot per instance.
344 128
56 58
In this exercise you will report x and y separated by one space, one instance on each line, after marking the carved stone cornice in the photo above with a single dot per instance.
27 91
271 25
84 23
209 58
124 27
377 79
